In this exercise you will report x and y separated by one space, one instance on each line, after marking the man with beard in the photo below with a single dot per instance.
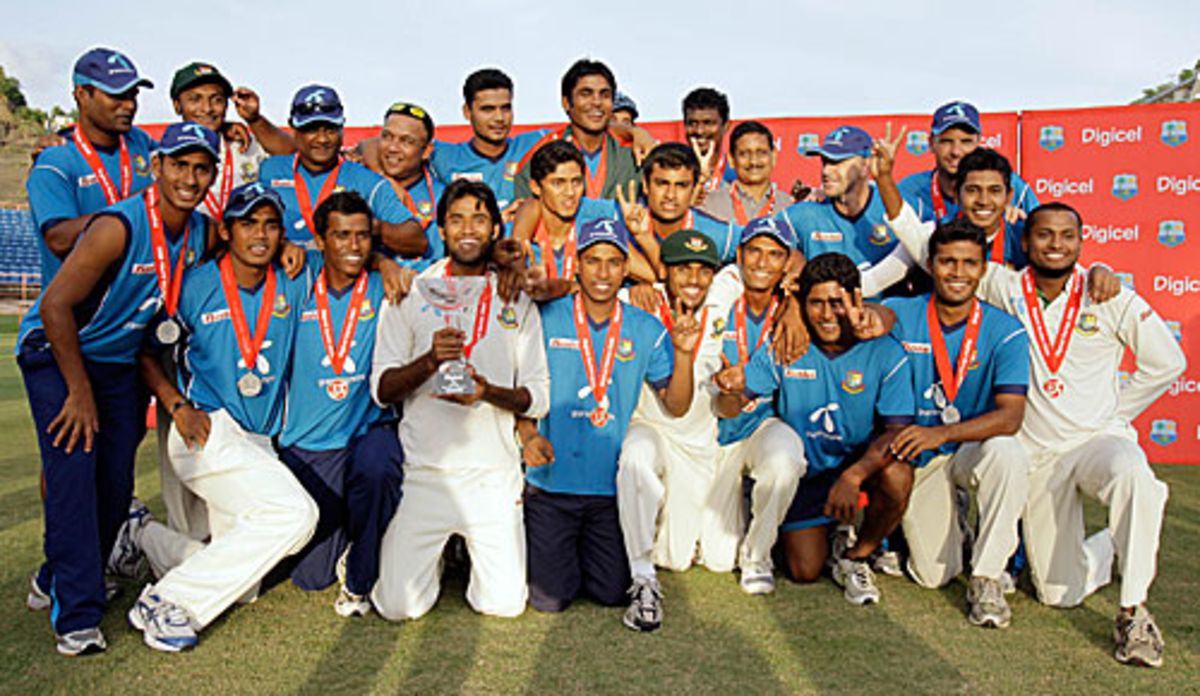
751 194
467 480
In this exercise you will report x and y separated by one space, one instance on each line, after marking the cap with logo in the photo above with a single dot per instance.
109 71
686 246
180 137
316 104
246 197
768 227
602 230
956 113
842 143
624 102
197 73
412 111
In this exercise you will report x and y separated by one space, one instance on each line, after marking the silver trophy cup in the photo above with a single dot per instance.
454 298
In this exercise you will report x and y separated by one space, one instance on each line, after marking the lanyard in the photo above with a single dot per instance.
939 201
739 209
743 339
168 282
411 203
111 195
598 380
338 353
248 345
216 205
951 381
482 310
595 184
542 238
1054 352
717 174
302 195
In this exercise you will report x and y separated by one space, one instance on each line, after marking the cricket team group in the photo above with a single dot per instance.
566 360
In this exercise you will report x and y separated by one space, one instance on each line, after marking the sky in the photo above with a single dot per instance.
780 58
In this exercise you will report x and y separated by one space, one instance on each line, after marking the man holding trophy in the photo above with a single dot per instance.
463 363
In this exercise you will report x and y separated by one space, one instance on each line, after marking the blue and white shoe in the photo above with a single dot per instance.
87 641
127 559
164 625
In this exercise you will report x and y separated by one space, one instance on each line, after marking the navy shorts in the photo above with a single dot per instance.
808 507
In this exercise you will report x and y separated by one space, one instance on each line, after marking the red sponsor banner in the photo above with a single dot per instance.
1133 173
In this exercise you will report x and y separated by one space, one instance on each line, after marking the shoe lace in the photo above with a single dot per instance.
170 614
991 594
1142 629
863 575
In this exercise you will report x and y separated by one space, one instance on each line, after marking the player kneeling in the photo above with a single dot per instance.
852 377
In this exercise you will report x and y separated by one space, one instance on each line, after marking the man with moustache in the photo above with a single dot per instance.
751 194
405 145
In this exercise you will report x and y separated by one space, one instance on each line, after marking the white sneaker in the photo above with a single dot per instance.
1008 584
164 625
348 604
1139 642
887 562
757 579
841 540
87 641
645 612
37 599
858 580
126 559
988 606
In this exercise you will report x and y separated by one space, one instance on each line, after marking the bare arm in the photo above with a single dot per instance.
61 237
406 239
1005 419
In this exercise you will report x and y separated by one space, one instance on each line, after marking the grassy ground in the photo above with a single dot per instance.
800 640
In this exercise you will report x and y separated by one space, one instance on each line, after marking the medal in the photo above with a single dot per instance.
1052 352
338 352
303 197
739 319
170 281
249 385
1052 387
950 414
167 332
598 416
111 194
952 377
542 239
598 380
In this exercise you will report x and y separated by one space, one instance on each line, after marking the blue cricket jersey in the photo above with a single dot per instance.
819 229
589 209
277 172
425 202
832 400
1000 364
212 364
585 457
742 426
62 186
113 318
726 235
452 161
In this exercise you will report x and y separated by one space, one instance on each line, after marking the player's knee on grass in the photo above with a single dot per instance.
378 460
806 551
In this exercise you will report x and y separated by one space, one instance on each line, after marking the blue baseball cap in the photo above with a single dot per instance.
109 71
842 143
609 230
317 104
188 136
768 227
246 197
956 113
624 102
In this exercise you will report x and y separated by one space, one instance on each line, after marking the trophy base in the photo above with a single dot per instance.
453 378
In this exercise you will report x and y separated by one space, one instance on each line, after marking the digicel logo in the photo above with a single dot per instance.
1108 136
1110 233
1178 185
1176 287
992 142
1059 187
1183 385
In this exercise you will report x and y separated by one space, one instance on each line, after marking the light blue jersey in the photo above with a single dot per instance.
819 229
212 364
113 318
1000 365
726 235
832 400
326 410
589 209
424 209
453 161
278 173
585 457
62 186
742 426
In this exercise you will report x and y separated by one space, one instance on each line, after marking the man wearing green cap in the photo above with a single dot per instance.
667 464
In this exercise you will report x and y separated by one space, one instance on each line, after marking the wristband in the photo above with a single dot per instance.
178 405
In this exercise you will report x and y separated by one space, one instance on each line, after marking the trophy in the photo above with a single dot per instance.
453 298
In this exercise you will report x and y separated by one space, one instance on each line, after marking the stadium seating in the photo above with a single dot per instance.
18 244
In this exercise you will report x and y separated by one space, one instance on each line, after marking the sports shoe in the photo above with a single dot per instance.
1139 642
127 559
349 604
164 625
887 562
1008 583
645 612
841 540
87 641
757 579
988 606
37 599
858 580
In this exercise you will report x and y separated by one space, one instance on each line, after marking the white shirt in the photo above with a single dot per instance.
445 435
245 170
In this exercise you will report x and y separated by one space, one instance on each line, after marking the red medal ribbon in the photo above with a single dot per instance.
739 209
951 381
998 243
595 184
482 311
598 381
111 194
337 354
216 205
411 203
169 283
718 173
306 203
1054 352
939 201
248 345
739 320
689 223
542 238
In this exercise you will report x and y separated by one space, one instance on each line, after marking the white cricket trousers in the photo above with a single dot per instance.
482 505
258 513
773 456
1065 567
997 470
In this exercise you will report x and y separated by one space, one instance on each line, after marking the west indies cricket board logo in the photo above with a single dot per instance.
1174 133
1171 233
1163 432
1125 186
917 143
1051 137
807 142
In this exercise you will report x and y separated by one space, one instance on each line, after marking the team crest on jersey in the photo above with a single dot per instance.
281 308
141 166
507 317
1051 138
1125 186
806 142
425 209
510 170
1176 330
249 171
852 383
1163 432
973 363
1088 324
1174 133
625 351
1125 278
718 326
917 143
1171 233
880 235
367 311
1123 377
339 189
337 389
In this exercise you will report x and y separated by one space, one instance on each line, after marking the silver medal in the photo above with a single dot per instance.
168 332
950 414
250 385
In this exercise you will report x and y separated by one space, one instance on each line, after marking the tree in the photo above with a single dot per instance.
10 88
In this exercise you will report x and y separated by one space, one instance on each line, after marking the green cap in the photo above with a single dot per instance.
685 246
194 74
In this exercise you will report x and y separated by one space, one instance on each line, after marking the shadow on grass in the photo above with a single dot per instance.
446 650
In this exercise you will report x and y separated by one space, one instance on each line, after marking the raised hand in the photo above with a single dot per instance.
245 100
637 218
865 323
883 152
730 379
686 332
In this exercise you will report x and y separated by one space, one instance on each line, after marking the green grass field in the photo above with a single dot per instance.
800 640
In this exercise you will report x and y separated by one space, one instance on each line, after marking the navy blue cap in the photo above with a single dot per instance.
956 113
317 104
600 230
768 227
843 143
187 136
246 197
108 71
624 102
